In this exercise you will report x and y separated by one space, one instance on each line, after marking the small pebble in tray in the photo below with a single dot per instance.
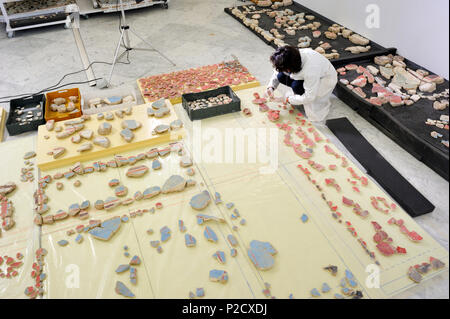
211 101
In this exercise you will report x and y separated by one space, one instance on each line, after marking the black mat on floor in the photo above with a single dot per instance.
405 125
267 23
413 202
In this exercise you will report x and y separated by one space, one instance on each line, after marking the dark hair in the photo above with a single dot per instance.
287 58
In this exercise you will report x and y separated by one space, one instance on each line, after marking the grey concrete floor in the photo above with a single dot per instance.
194 33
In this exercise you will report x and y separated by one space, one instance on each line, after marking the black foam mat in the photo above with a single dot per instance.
397 186
405 125
340 43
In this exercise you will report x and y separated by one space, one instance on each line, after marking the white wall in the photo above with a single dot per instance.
419 29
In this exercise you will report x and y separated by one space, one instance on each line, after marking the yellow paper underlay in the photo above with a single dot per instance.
2 123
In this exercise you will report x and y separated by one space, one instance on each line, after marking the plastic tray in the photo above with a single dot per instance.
50 96
120 91
29 104
234 106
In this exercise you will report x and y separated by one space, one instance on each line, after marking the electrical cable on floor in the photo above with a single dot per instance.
55 86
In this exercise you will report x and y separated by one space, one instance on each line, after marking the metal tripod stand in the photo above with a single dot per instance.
124 41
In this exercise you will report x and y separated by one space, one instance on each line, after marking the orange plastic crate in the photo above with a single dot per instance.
50 96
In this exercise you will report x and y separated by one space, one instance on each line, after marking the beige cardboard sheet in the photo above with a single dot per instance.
142 137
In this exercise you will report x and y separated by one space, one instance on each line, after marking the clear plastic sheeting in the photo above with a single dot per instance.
271 203
23 237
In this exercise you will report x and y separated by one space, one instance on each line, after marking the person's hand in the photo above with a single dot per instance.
287 95
269 92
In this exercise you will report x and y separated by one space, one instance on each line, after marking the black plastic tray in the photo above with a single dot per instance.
234 106
267 23
405 124
29 104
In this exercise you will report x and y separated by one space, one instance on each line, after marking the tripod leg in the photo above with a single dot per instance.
115 57
160 53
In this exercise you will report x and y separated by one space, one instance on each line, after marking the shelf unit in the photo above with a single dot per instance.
92 6
67 10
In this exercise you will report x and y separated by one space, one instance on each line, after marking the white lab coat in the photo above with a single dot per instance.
319 78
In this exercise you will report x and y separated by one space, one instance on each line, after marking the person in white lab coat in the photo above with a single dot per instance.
310 75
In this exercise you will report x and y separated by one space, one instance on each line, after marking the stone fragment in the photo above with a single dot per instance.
161 128
261 254
218 276
175 125
304 218
165 234
63 242
50 125
109 116
74 209
107 229
200 201
121 191
79 239
315 293
133 275
185 161
102 141
156 164
85 147
436 263
122 268
151 192
190 240
58 151
159 104
175 183
219 256
114 182
111 203
135 260
138 196
123 290
155 243
131 124
201 219
137 171
85 205
200 292
104 128
414 275
232 240
29 155
210 235
7 188
127 135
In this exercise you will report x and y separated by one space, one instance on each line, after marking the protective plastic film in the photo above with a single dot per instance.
23 237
